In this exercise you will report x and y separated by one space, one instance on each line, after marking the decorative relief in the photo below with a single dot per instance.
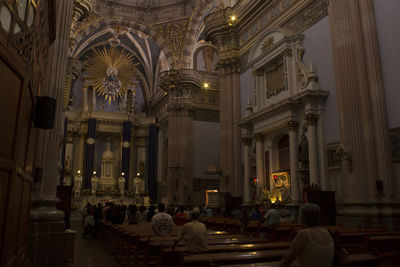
264 20
174 34
301 69
310 16
267 44
275 77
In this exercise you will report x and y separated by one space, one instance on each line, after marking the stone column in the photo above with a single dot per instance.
94 99
322 158
294 161
230 134
312 148
246 180
47 227
364 128
85 104
260 161
160 156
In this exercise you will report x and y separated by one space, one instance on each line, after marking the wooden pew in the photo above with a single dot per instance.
233 257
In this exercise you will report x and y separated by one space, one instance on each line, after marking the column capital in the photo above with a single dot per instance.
246 140
288 52
293 126
311 119
259 137
258 72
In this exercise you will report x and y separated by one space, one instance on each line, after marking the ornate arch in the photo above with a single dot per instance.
91 29
194 23
197 48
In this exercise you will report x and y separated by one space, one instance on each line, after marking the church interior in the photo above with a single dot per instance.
228 108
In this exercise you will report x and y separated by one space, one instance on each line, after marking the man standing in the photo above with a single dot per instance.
162 222
194 234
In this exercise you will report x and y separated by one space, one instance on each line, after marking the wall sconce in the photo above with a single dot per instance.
206 85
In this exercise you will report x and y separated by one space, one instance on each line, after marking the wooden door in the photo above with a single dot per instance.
23 49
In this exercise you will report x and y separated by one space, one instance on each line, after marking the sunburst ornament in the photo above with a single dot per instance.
113 72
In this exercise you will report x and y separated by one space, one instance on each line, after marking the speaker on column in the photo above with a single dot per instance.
44 112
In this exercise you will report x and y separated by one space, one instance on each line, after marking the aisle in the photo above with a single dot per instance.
88 251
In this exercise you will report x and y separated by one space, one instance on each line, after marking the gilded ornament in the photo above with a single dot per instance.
113 72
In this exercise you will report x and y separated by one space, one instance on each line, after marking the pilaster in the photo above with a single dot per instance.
312 120
294 159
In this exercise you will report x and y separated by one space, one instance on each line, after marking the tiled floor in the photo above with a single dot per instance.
89 252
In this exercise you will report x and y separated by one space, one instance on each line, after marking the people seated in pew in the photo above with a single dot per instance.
236 213
208 211
180 217
132 216
150 213
244 221
194 234
255 214
272 217
313 245
142 214
88 224
162 222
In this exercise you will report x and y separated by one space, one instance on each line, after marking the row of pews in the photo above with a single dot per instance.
136 245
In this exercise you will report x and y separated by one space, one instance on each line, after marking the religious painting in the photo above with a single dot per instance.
206 59
208 56
275 77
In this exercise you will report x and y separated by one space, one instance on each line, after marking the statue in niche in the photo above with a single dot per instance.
77 184
108 178
136 184
121 184
208 57
95 182
68 164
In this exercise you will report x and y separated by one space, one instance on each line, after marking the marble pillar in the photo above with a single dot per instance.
246 180
364 129
312 120
294 161
46 229
85 103
260 162
322 155
180 147
230 134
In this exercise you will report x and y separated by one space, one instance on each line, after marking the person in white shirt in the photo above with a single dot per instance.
313 245
162 222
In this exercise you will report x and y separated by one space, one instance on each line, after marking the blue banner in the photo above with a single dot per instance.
126 151
89 154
